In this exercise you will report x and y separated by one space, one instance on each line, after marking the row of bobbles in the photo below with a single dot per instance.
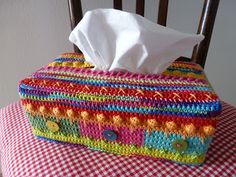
188 74
133 122
76 64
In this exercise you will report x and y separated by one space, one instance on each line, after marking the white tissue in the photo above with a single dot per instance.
117 40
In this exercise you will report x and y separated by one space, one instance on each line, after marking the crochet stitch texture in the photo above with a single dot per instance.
172 115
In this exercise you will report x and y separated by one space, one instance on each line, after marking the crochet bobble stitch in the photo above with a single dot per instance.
188 129
172 115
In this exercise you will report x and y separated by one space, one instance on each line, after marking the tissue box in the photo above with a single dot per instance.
171 116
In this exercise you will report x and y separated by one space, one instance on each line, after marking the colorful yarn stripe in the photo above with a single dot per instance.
172 115
156 140
123 149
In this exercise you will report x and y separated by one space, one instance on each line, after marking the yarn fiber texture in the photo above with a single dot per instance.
172 115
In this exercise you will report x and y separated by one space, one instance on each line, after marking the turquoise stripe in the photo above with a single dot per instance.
158 140
66 128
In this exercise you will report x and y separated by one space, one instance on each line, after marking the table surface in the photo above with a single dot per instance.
22 154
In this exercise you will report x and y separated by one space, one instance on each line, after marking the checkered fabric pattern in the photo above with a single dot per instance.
24 155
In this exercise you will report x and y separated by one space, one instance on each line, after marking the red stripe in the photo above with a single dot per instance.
183 95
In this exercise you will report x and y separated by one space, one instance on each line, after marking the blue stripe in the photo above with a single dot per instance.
69 59
110 107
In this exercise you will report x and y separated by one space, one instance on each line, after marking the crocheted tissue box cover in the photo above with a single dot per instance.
172 115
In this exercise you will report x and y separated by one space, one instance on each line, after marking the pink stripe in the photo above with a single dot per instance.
128 75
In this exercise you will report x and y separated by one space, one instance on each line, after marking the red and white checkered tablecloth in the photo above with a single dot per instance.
23 155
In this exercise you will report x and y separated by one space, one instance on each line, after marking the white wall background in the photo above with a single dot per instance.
33 32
